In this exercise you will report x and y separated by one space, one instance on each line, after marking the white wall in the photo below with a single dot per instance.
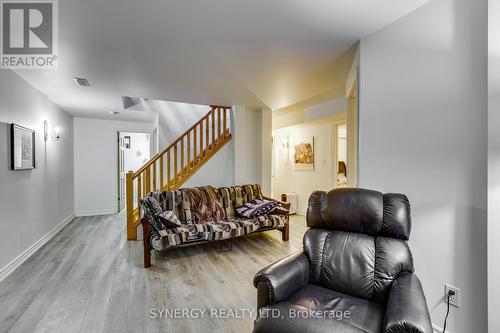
332 107
266 129
96 178
240 161
218 171
494 166
32 202
286 179
247 138
423 133
175 119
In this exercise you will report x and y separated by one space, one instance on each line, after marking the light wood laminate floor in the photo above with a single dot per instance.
89 278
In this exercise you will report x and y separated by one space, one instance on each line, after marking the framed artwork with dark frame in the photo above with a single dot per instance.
22 147
126 142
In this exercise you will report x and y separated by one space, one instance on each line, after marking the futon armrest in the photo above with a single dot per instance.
279 280
406 307
285 205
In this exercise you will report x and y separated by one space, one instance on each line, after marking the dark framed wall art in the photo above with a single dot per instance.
22 144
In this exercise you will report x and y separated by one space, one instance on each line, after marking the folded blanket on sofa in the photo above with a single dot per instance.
256 208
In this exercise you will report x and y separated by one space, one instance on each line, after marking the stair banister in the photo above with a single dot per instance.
145 179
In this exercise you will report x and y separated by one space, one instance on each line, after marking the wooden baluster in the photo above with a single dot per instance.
161 173
218 125
148 181
175 164
201 139
154 175
168 168
182 156
139 193
213 128
188 151
207 141
195 142
224 128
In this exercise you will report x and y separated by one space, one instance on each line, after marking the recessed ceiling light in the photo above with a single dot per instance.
114 112
81 82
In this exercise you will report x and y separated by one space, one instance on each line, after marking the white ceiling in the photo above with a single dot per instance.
254 53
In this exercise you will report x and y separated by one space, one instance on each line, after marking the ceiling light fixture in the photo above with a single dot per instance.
114 112
81 82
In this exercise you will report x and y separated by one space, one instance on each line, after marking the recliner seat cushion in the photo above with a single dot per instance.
350 314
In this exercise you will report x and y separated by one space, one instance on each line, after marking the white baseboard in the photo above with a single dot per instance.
301 212
11 266
96 212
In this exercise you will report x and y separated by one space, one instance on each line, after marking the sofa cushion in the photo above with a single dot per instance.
205 204
252 192
152 211
175 236
361 316
170 220
234 227
235 196
272 221
177 202
231 197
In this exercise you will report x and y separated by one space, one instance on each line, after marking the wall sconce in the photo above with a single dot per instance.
57 132
286 142
45 131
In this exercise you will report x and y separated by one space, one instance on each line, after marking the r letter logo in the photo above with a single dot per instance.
29 35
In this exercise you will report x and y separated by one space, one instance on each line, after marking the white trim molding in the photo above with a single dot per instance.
96 212
11 266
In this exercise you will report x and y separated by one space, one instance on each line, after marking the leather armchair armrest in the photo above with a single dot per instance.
406 307
279 280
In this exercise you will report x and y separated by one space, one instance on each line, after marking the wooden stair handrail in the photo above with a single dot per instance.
183 158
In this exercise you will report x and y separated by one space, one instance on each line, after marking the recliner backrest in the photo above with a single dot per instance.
356 243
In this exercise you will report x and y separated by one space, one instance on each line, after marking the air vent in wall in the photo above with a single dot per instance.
81 82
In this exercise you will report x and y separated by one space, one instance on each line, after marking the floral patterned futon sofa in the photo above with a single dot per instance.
206 214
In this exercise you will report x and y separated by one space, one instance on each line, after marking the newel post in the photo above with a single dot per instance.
131 229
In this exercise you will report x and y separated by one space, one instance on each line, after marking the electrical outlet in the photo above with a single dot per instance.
454 299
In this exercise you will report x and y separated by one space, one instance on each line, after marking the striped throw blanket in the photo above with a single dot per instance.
256 208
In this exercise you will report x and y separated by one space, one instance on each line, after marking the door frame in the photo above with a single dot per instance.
118 172
334 151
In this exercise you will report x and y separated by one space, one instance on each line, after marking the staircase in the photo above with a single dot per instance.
172 167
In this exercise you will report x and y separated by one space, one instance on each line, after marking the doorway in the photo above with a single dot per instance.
134 150
340 155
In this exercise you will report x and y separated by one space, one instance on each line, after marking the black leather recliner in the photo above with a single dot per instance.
355 274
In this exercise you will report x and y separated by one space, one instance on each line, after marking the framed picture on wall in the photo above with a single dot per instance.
304 155
22 142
